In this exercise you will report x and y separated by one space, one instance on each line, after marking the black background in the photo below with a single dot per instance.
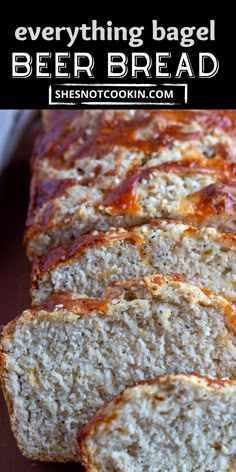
216 92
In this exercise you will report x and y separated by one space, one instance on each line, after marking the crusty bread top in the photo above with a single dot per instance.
135 235
220 118
215 199
120 127
117 150
208 135
68 251
156 286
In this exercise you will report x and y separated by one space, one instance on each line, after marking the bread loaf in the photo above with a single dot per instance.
172 424
205 257
60 362
102 169
105 189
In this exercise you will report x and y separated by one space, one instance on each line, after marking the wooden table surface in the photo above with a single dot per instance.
14 286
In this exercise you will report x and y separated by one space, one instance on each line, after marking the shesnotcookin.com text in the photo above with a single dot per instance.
128 93
140 94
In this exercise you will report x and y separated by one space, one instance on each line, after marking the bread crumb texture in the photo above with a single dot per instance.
176 423
58 366
204 256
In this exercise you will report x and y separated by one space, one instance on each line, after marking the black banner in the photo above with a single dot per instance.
108 62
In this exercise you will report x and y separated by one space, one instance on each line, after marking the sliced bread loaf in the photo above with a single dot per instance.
205 257
60 362
172 424
95 170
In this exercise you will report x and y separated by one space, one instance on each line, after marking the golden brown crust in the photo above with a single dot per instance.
69 301
123 199
215 200
67 141
67 252
151 282
167 126
80 305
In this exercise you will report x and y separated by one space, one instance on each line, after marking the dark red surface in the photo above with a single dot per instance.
14 287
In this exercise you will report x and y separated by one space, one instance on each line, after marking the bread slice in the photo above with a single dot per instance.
204 256
101 169
174 423
60 362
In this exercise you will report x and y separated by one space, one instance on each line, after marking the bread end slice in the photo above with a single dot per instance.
173 423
